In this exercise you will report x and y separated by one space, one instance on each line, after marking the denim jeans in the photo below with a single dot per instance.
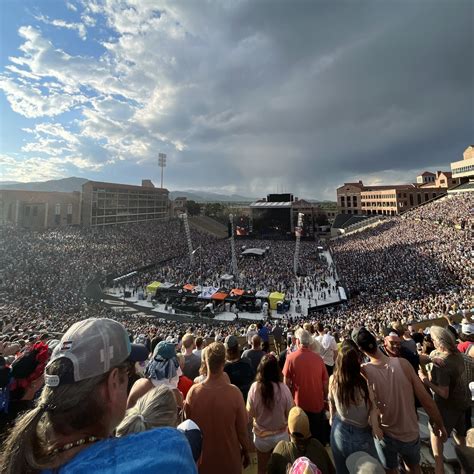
347 439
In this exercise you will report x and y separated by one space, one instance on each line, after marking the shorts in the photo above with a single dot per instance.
453 420
267 444
388 450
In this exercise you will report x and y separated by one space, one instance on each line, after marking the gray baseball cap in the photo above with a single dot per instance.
93 346
230 342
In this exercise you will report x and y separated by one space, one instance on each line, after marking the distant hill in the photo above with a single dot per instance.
202 196
65 185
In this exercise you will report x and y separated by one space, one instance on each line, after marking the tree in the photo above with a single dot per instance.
193 208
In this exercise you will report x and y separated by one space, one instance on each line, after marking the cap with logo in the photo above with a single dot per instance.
93 347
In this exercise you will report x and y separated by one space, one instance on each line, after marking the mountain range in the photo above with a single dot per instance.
67 185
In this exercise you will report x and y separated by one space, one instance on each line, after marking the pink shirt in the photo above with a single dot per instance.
269 422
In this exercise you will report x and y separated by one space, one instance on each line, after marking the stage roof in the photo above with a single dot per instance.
270 205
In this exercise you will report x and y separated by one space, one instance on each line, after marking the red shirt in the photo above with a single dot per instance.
308 375
184 385
464 346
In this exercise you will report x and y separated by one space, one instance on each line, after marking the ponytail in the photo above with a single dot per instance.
23 445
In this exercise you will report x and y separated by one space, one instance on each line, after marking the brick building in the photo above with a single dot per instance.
38 209
98 204
111 203
358 199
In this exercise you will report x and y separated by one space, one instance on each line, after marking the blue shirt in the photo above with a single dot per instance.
264 333
163 450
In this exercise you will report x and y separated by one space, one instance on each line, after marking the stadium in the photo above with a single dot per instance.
236 237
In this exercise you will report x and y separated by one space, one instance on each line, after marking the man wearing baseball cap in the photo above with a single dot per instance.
301 444
82 403
396 384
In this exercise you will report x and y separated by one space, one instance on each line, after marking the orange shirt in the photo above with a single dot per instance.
218 408
308 375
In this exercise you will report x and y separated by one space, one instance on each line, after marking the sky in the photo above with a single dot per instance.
243 96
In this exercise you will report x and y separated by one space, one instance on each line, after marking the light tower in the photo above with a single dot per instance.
161 164
298 232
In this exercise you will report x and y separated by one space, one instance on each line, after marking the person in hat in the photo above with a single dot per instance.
238 369
362 463
304 466
83 401
301 444
395 385
218 408
306 376
466 344
450 389
162 369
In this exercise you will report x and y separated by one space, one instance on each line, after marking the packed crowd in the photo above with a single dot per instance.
407 269
186 404
272 272
455 210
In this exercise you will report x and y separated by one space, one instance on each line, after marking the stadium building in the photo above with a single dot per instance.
99 204
110 203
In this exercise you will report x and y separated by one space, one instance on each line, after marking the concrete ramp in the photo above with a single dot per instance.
209 226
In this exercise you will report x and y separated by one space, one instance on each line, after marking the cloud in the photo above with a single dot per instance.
79 27
251 95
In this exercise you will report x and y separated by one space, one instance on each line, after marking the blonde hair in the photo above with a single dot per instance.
61 410
187 341
156 408
215 357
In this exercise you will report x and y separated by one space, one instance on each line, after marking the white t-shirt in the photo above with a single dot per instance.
328 346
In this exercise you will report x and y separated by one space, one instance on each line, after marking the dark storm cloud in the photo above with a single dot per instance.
340 91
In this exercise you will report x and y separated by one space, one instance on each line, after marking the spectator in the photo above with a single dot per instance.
255 354
354 414
162 369
192 361
156 408
277 333
451 393
395 385
328 350
81 405
268 404
218 409
300 444
199 346
306 376
239 370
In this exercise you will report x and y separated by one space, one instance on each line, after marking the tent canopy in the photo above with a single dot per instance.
189 287
153 286
262 294
274 298
237 292
219 296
